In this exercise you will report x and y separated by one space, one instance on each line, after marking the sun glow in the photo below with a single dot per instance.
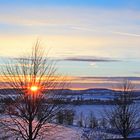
34 88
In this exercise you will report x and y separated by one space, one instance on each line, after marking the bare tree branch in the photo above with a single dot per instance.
34 80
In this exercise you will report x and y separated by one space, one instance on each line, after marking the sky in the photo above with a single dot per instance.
90 38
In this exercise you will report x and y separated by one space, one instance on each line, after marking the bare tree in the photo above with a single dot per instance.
94 134
33 79
123 116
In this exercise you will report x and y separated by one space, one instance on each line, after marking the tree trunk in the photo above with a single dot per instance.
30 130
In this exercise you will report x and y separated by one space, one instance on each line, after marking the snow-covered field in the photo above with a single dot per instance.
63 133
50 131
97 110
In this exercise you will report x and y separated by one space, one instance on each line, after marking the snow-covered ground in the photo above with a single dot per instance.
53 131
97 110
63 133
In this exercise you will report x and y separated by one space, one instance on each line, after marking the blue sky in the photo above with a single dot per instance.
103 3
90 37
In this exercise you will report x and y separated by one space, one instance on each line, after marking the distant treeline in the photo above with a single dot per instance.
85 101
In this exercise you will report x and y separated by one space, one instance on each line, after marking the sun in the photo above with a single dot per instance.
34 88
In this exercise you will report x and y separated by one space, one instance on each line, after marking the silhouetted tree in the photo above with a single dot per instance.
123 116
93 122
33 80
60 117
69 116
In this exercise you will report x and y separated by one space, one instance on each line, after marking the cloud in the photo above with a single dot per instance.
93 64
130 34
126 34
57 16
71 31
102 82
89 59
109 78
137 72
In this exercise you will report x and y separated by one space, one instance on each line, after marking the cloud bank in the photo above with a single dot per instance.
89 59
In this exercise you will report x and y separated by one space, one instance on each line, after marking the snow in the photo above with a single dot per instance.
97 110
53 132
61 132
64 133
